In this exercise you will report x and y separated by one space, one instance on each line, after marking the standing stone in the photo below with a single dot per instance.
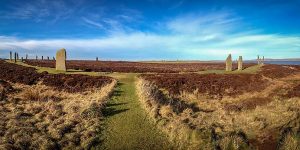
42 57
26 56
53 58
15 57
229 63
96 58
48 58
21 59
240 63
36 57
263 60
258 60
10 56
61 60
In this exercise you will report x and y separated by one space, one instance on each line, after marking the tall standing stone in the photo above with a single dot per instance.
42 57
97 59
36 57
15 57
48 58
26 56
10 56
240 63
21 59
61 60
229 63
263 60
53 58
258 60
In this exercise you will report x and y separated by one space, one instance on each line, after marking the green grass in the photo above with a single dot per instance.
127 125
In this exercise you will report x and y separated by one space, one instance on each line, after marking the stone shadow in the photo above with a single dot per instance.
108 111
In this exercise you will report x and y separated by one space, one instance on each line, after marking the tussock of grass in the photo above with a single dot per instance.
259 116
290 141
180 133
38 117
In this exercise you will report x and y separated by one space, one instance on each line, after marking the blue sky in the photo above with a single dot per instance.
151 29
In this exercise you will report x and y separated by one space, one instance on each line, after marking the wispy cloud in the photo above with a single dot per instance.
120 23
191 36
204 23
178 4
93 23
161 45
41 10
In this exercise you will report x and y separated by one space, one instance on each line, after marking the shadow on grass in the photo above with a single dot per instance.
115 104
108 112
110 108
117 91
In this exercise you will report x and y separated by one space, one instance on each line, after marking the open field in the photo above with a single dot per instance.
227 111
135 67
27 75
149 75
257 108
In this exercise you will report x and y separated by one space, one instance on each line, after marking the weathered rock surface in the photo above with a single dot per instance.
229 63
61 56
240 63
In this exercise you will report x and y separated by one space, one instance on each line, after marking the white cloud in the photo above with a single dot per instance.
41 10
93 23
178 45
186 37
203 23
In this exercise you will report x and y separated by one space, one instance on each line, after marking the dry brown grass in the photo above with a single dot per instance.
290 140
248 121
168 120
39 117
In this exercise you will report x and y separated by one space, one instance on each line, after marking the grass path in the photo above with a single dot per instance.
126 125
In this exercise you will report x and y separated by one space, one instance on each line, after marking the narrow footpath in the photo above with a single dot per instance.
126 125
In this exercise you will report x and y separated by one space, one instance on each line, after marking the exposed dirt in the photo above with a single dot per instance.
71 83
137 67
214 85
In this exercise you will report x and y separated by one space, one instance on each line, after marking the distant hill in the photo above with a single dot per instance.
288 59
